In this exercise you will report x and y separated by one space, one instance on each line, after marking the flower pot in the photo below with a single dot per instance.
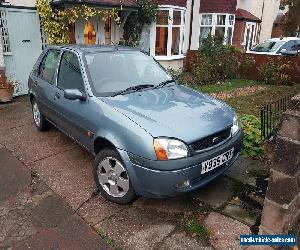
5 95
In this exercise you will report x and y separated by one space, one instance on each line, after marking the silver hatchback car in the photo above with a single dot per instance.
151 136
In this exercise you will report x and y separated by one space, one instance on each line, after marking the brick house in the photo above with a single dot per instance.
242 23
181 25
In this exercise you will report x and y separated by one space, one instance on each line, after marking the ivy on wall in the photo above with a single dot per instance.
133 27
55 22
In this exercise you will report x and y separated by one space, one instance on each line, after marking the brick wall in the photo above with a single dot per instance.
238 34
277 30
2 76
282 204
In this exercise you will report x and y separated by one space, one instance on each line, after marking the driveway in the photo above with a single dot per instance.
60 172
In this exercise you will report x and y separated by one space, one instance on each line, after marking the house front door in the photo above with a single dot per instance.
25 45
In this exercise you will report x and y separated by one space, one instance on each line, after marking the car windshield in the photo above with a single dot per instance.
268 46
113 72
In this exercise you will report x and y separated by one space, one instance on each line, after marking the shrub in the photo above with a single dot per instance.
274 71
252 136
217 62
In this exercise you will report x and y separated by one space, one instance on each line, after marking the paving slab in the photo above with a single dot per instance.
50 212
245 214
98 209
15 213
15 115
177 205
136 229
181 241
216 194
69 174
30 145
14 176
225 232
242 167
73 233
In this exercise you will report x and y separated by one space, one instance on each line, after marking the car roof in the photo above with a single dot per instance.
93 48
284 39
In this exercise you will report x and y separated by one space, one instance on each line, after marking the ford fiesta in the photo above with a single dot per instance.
151 136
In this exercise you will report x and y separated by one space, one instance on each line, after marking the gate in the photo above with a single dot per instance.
25 45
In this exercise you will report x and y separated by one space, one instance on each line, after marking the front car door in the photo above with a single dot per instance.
75 118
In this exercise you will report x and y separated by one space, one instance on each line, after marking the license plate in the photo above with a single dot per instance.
217 161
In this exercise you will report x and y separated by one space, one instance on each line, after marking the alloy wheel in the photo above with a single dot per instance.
113 177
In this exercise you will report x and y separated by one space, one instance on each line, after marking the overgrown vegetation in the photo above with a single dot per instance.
194 227
133 27
274 71
217 63
55 22
252 136
292 20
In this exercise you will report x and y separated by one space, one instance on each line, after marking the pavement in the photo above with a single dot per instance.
48 199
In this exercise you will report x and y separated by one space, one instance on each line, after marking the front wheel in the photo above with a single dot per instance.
39 119
112 178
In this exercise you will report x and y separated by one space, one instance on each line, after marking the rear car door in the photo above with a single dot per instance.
75 115
44 83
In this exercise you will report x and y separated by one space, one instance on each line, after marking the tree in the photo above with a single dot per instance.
292 22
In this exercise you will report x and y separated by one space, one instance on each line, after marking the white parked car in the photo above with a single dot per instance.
278 46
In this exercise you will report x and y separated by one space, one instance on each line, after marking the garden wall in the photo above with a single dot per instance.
292 70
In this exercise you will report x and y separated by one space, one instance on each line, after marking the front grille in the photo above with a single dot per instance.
211 140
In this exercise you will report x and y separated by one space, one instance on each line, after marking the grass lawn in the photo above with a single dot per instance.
252 103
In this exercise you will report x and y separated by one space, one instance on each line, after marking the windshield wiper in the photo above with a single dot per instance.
164 83
133 89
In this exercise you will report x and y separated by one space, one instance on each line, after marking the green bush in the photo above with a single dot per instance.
274 71
252 136
216 62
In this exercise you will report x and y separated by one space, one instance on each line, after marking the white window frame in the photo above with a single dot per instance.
214 24
4 32
170 27
254 38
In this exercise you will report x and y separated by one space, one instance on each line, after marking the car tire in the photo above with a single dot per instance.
38 118
112 178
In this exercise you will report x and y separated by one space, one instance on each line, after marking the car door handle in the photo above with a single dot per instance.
57 96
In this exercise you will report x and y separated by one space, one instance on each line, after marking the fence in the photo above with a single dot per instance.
271 115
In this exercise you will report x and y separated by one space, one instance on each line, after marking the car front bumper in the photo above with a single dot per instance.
151 182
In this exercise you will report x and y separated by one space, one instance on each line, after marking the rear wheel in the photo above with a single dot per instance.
112 177
39 119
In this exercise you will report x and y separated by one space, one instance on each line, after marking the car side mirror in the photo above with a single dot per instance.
74 94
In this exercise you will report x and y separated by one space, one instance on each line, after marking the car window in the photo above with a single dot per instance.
289 46
69 75
268 46
297 45
48 66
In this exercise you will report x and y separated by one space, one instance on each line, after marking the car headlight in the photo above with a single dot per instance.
168 149
235 126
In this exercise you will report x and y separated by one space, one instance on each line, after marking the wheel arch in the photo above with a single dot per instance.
101 142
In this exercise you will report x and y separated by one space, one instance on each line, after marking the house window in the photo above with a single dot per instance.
169 32
4 32
218 25
250 35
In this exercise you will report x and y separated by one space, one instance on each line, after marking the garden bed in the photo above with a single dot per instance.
245 101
